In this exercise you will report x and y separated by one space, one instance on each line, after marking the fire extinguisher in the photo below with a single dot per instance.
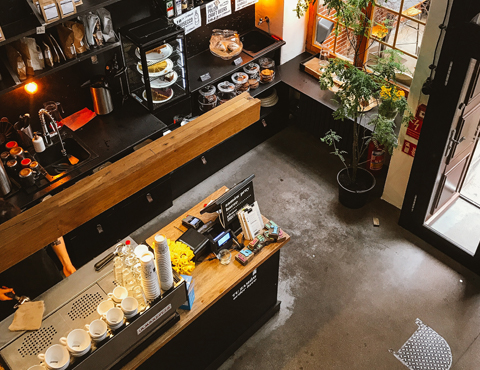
376 156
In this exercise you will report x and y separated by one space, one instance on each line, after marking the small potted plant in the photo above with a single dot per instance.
357 86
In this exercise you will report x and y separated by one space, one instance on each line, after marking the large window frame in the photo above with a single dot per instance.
401 14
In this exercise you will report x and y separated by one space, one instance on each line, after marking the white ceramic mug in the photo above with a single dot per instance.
118 294
78 342
97 330
104 306
114 317
56 357
129 307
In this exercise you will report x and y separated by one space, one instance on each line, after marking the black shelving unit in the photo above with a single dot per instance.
62 65
28 26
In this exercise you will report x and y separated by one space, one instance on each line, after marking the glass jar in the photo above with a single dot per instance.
267 70
207 100
240 80
226 91
225 44
253 72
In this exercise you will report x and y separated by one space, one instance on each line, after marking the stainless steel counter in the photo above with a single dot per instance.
71 304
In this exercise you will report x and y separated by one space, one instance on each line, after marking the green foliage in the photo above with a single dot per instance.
302 7
383 133
331 138
359 85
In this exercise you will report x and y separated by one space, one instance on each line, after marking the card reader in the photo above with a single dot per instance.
224 240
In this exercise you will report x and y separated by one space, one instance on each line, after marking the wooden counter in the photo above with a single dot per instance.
212 281
99 192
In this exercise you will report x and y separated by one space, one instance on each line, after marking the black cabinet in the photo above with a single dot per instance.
100 233
272 121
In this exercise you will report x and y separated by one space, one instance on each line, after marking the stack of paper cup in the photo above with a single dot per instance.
150 283
163 262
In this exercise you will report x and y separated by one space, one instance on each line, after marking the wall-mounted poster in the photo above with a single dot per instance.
240 4
218 9
189 21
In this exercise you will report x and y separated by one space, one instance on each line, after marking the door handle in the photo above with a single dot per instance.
204 160
99 228
463 138
264 123
149 198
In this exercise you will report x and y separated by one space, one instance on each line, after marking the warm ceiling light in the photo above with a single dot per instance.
31 88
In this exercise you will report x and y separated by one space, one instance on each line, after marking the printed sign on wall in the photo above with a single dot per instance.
218 9
409 148
240 4
189 21
414 127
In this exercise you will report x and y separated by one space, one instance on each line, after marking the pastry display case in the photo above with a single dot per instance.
155 57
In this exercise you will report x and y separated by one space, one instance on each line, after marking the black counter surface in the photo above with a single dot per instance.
113 136
291 74
109 137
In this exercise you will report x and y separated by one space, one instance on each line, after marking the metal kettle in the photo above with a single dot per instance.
101 96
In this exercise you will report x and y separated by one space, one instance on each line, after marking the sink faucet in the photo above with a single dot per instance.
46 132
261 20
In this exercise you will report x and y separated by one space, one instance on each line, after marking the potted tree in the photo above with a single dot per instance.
357 87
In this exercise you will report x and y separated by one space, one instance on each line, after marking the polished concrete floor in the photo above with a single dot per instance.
349 291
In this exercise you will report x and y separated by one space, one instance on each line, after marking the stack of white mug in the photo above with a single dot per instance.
163 262
150 283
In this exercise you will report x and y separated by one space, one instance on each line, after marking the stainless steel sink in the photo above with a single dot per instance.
56 164
256 42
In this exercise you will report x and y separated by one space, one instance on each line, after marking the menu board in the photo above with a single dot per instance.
189 21
240 4
218 9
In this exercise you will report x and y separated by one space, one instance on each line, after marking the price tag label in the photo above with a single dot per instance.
205 77
238 61
40 30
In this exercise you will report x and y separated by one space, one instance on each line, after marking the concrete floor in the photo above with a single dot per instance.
349 291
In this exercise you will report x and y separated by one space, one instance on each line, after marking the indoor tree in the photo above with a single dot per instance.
358 85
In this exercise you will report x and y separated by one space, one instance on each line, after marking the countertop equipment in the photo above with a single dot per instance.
101 96
72 303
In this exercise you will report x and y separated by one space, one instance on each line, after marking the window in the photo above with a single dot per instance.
396 24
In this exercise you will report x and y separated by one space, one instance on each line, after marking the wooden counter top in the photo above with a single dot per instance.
99 192
212 280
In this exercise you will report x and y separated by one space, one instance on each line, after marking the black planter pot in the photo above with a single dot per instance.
355 196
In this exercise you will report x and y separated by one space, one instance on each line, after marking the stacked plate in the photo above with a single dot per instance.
150 282
160 73
269 100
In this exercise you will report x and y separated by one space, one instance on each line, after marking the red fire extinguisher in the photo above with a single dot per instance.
376 156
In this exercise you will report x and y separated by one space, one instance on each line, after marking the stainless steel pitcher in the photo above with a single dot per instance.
5 186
